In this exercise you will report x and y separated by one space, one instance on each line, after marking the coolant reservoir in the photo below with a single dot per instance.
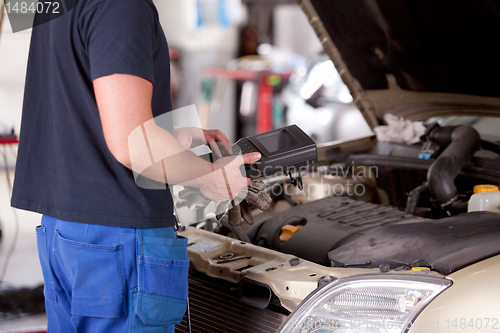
485 198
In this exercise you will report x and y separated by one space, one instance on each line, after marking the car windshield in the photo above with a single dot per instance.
488 127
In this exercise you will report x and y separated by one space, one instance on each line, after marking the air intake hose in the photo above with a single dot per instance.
461 143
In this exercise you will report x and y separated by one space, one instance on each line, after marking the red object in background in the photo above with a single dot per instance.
264 107
8 140
174 57
174 54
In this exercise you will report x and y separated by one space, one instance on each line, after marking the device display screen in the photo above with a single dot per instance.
278 141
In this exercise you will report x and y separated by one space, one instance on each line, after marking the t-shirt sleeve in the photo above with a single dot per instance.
120 38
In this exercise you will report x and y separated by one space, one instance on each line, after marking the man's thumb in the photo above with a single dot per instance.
251 158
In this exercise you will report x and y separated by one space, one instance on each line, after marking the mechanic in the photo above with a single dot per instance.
110 257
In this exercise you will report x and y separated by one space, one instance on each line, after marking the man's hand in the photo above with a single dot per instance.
190 137
226 182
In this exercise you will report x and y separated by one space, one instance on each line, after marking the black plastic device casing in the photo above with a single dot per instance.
284 160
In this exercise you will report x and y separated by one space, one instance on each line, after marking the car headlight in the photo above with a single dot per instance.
366 303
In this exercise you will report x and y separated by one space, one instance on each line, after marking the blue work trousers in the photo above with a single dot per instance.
104 279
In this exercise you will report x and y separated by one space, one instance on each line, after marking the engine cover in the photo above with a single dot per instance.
444 245
327 224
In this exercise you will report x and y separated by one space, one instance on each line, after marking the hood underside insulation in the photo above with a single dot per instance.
429 46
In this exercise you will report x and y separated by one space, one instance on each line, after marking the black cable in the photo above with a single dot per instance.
491 146
188 316
16 221
414 197
13 151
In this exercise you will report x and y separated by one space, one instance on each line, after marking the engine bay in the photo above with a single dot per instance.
351 218
354 209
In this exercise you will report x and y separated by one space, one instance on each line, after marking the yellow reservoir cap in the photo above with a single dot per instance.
485 188
419 269
287 231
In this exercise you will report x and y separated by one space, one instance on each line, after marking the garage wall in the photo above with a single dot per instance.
179 20
298 37
13 59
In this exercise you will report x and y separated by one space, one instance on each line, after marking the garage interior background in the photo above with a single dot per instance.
202 34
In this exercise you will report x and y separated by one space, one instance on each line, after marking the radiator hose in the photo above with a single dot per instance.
461 143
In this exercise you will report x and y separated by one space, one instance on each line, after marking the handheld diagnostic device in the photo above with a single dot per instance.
285 149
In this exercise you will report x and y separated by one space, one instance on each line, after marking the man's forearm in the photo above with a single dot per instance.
156 154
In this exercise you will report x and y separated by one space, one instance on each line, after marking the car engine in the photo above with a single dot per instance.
366 197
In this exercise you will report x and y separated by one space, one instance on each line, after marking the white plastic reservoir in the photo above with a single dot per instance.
485 201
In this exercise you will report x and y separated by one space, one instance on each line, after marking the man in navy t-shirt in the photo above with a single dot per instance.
110 257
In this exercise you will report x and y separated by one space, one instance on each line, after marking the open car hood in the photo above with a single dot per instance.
413 58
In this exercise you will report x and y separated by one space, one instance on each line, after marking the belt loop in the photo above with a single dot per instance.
138 236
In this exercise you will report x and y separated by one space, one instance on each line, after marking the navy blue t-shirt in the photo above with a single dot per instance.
64 167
